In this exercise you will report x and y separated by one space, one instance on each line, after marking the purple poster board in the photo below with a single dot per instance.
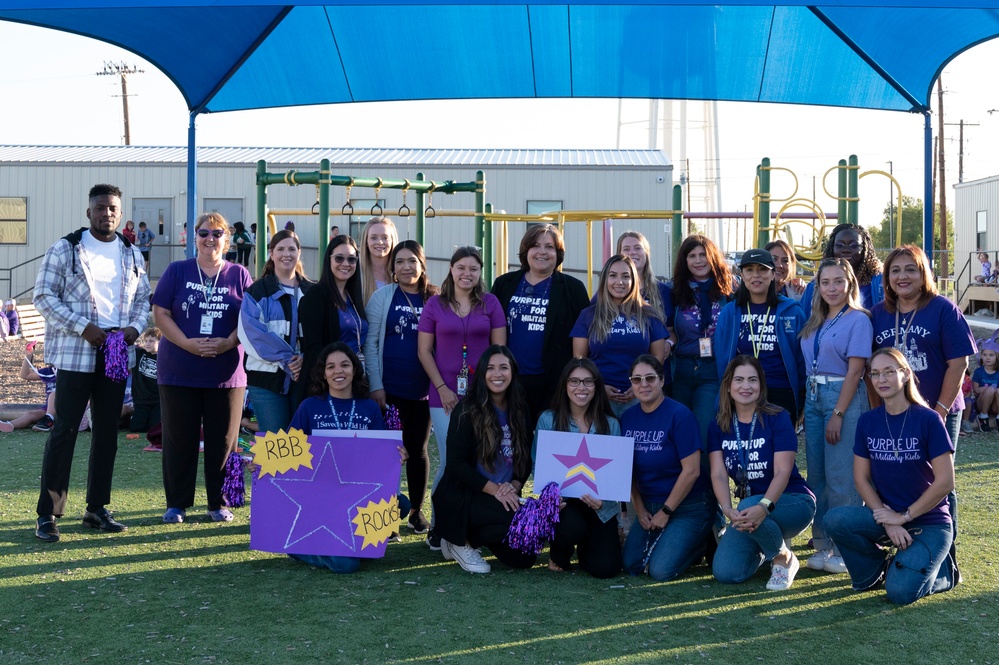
345 505
581 464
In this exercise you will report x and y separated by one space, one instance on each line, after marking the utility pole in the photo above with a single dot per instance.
122 70
944 267
960 149
891 205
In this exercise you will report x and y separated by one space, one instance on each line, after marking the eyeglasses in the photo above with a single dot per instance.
340 258
215 233
888 375
639 380
842 245
574 382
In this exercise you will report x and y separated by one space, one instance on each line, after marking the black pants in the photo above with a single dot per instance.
596 542
185 411
415 416
243 255
144 417
539 389
488 523
73 391
784 397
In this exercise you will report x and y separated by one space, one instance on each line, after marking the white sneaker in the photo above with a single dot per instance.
834 564
818 560
781 577
467 557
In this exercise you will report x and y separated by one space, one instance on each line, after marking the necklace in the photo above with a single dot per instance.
752 333
904 332
901 432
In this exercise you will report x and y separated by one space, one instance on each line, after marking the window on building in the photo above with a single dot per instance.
538 207
13 220
981 224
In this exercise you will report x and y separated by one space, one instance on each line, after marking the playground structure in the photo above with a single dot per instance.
805 232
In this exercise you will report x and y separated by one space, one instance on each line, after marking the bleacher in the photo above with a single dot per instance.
32 323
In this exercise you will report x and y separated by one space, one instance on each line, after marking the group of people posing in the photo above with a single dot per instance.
707 373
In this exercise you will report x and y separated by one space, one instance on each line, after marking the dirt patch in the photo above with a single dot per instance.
13 390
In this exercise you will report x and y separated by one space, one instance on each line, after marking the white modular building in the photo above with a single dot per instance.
43 196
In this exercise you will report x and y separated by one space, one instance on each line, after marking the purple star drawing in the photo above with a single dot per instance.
581 467
313 496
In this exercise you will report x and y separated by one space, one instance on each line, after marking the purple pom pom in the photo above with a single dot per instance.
234 485
535 522
392 419
115 356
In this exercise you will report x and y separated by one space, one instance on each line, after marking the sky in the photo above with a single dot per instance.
52 96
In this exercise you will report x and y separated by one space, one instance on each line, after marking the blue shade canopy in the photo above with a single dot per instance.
227 55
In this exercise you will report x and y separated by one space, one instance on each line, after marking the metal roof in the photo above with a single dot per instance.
57 154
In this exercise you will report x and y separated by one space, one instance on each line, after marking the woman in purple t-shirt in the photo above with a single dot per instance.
200 368
455 328
904 468
835 344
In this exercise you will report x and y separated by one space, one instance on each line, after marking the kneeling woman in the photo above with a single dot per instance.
488 460
904 468
339 401
586 525
672 512
753 442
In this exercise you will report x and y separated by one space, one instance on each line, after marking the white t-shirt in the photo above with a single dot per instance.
103 262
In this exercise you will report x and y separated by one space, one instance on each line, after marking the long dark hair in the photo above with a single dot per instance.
869 263
683 295
726 406
485 422
353 287
275 239
423 284
358 386
597 411
742 293
447 286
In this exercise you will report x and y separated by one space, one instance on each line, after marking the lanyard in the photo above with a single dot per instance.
744 450
752 333
704 304
208 294
412 308
336 417
819 334
356 318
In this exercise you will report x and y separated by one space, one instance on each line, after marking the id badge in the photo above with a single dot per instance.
462 386
705 346
360 356
206 324
813 389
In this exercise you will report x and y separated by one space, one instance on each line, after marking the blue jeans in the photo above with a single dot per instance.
830 467
441 422
741 554
675 548
620 407
338 564
273 411
919 570
696 386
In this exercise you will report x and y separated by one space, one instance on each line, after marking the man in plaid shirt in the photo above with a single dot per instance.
92 282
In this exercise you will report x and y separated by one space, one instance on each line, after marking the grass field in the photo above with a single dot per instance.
195 593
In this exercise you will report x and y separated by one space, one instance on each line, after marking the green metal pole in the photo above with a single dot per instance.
764 173
483 239
261 217
841 207
677 222
421 216
324 210
853 205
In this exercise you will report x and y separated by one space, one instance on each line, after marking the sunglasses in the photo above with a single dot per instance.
639 380
215 233
340 258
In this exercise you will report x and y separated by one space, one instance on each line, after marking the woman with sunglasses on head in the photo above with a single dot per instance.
786 278
853 243
702 286
269 333
753 442
618 327
394 370
339 400
835 343
673 513
333 310
541 304
904 469
200 370
587 525
377 241
488 461
764 325
455 328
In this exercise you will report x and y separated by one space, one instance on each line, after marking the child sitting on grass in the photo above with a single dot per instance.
40 420
985 383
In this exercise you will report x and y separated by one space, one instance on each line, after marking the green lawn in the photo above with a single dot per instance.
195 593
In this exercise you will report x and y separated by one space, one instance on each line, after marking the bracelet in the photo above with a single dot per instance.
906 516
945 407
440 386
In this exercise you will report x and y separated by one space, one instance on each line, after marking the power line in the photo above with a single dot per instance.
122 70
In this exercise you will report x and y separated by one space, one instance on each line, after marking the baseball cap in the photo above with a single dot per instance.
758 256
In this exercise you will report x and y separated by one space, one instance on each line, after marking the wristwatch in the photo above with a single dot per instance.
837 412
768 504
666 510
